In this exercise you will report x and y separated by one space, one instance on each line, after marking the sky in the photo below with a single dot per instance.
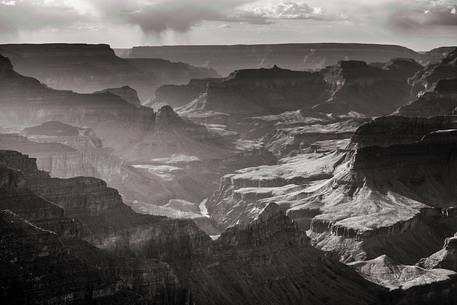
417 24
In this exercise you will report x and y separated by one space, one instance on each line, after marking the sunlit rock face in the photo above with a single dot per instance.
87 68
179 95
226 59
368 89
381 194
410 283
274 256
446 257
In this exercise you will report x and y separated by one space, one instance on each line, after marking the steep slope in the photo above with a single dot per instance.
359 87
352 200
195 263
128 129
300 56
443 69
45 262
278 267
179 95
86 68
126 93
441 99
25 102
260 91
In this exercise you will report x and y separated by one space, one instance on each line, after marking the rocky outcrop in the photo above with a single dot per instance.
179 95
443 69
445 258
87 68
368 89
279 267
126 93
226 59
25 102
435 55
262 91
440 100
386 131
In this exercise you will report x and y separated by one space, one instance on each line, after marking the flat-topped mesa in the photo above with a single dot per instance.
296 56
127 93
265 91
368 89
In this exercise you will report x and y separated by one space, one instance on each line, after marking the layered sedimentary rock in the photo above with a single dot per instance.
25 102
226 59
86 68
175 135
278 267
410 284
443 69
179 95
445 258
45 262
261 91
368 89
126 93
389 130
130 130
353 199
435 55
441 99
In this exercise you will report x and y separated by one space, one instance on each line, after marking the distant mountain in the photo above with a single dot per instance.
228 58
86 68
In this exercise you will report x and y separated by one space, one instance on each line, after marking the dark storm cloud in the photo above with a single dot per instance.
160 15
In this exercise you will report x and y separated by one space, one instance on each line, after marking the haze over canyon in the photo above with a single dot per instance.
283 170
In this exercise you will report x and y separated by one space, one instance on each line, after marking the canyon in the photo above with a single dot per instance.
271 185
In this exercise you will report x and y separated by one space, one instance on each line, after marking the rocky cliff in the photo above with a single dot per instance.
261 91
368 89
226 59
126 93
443 69
86 68
441 99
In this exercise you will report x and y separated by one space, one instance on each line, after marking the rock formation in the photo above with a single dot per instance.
226 59
443 69
260 91
359 87
126 93
86 68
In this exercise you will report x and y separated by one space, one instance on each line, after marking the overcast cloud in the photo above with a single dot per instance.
61 20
